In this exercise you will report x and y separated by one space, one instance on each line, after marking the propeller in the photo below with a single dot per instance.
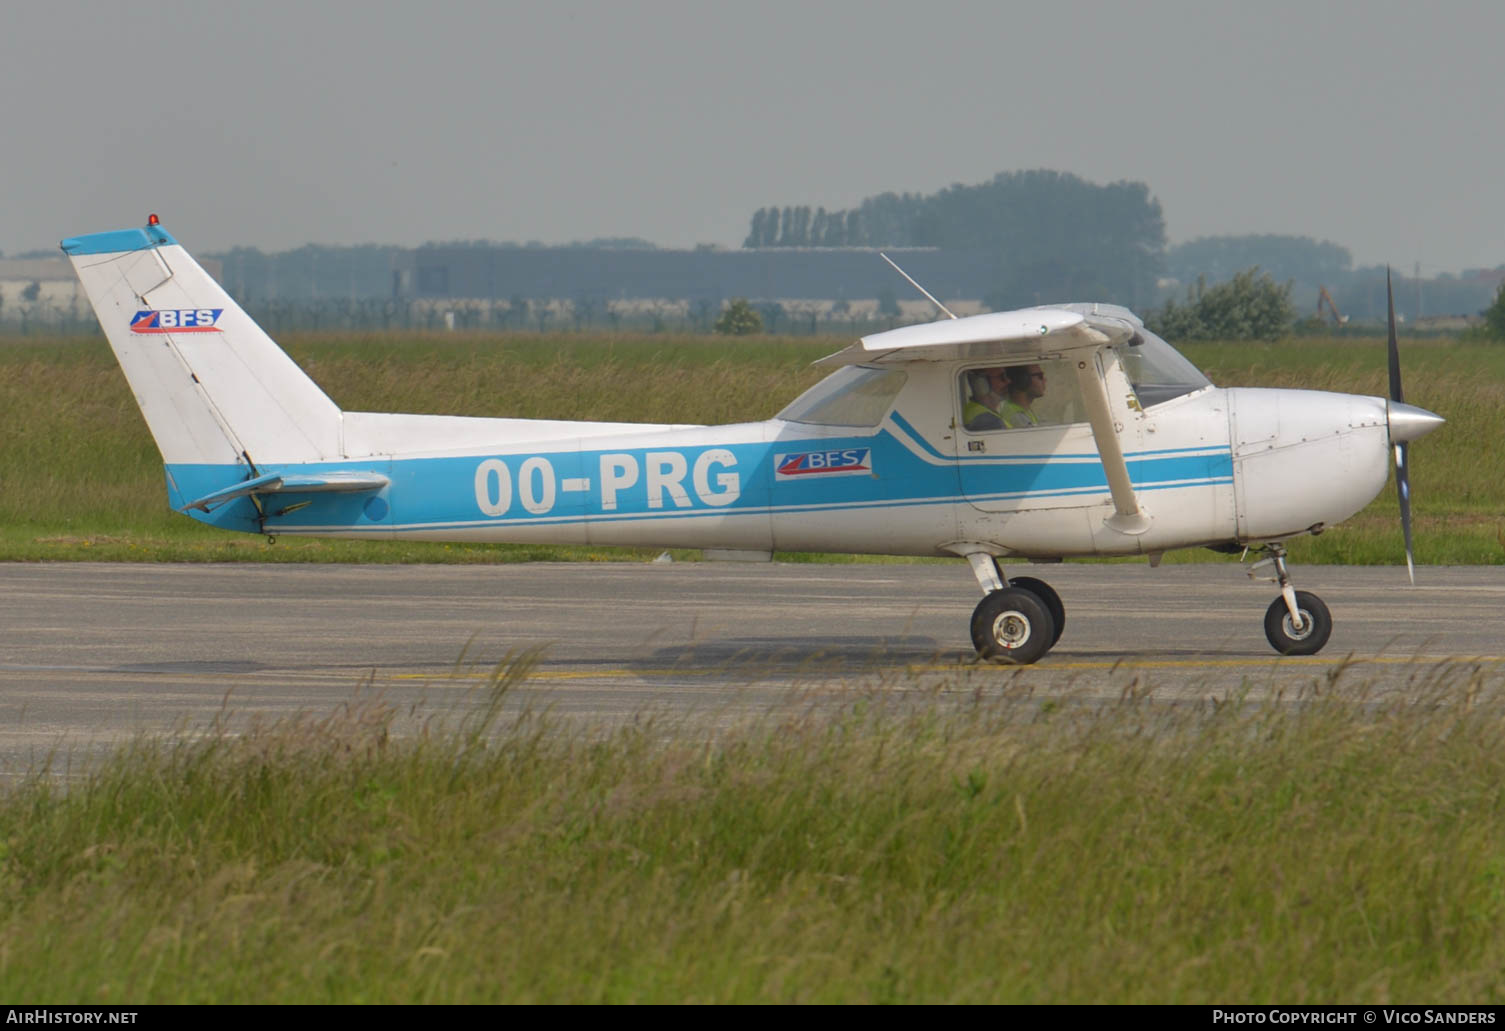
1402 447
1407 423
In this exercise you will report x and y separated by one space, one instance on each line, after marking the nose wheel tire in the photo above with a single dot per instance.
1012 625
1316 628
1048 597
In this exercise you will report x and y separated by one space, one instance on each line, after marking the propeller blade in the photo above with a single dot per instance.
1403 490
1395 391
1402 449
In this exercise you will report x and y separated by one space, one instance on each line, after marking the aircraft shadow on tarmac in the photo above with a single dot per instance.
749 655
191 667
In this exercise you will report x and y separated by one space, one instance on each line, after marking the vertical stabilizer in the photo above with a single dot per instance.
213 387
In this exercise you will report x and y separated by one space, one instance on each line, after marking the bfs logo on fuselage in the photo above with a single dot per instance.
814 464
177 320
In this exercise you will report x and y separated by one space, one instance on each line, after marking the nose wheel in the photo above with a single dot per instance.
1296 623
1308 638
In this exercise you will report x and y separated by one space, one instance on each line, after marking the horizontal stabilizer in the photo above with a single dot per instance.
292 483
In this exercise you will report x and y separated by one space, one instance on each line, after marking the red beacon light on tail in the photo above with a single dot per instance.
153 220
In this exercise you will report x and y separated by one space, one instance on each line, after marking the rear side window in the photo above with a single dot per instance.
853 396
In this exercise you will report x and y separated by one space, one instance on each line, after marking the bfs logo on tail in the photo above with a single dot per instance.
177 320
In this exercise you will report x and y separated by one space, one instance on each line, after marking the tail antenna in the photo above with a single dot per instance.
949 313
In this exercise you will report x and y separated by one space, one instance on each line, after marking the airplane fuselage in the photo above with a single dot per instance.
1218 466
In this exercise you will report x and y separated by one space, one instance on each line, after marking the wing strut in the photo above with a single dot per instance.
1129 517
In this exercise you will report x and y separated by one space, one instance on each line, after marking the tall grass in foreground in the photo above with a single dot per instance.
1335 847
81 478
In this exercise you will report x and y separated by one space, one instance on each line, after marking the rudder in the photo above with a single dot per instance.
213 387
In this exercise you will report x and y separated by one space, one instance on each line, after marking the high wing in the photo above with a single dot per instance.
1084 331
1013 336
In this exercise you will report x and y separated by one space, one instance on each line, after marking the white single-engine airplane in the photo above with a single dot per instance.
1126 449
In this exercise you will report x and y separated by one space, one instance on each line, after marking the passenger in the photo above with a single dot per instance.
1025 383
989 395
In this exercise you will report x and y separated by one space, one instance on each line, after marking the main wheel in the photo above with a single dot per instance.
1048 597
1012 625
1316 625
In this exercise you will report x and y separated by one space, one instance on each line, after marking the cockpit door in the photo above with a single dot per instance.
1039 455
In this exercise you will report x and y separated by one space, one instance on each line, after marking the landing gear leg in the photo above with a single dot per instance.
1296 623
1015 622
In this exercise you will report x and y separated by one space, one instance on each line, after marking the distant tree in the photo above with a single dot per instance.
755 232
888 303
802 226
773 314
1284 257
1250 306
31 292
1178 322
1046 235
739 319
818 228
1494 316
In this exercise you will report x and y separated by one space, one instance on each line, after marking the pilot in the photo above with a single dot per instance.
1025 384
989 395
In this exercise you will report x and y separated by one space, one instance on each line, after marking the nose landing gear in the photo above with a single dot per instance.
1296 623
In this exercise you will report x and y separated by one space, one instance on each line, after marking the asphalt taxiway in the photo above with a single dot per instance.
91 654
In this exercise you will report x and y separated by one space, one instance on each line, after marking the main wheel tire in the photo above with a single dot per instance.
1317 625
1048 597
1012 625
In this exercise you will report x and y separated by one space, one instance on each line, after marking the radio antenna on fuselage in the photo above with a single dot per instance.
949 313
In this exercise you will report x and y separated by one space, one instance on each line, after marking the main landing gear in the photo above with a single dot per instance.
1296 623
1018 620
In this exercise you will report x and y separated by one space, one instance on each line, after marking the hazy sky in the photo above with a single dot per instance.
1373 124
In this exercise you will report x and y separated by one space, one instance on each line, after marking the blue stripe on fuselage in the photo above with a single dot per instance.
556 487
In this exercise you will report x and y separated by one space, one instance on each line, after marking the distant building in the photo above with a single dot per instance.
48 285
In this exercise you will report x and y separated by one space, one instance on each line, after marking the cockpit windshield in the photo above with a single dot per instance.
1157 371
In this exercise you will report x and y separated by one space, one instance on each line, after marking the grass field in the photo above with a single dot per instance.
914 848
998 849
81 478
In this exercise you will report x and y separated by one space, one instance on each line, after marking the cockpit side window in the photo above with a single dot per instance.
1157 371
1021 395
